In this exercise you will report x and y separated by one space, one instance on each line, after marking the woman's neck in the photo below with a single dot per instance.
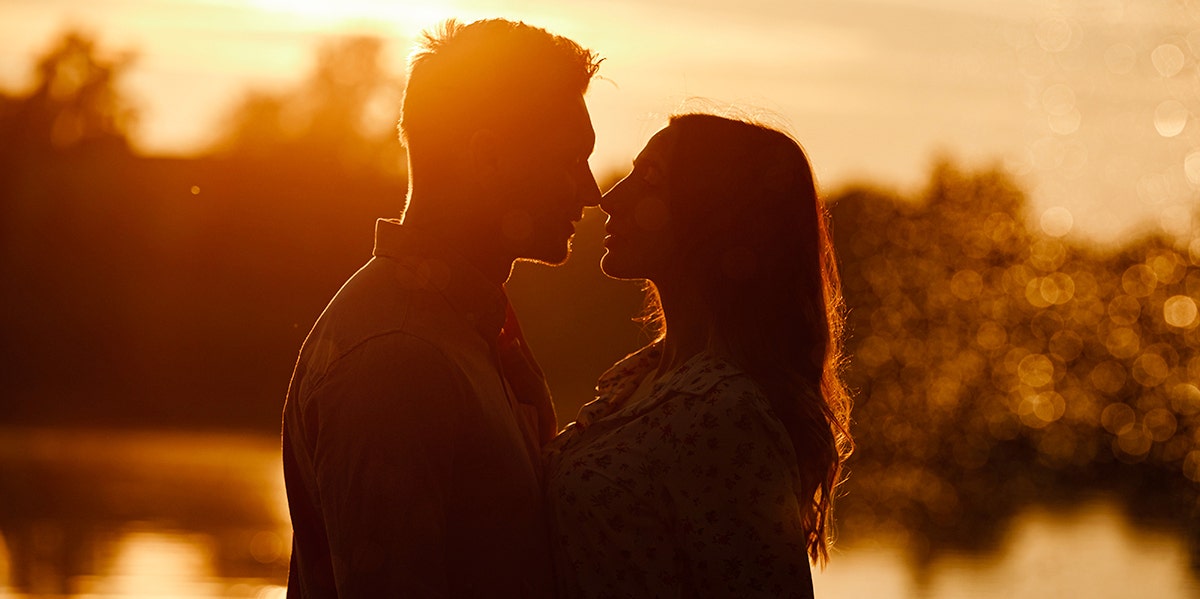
688 323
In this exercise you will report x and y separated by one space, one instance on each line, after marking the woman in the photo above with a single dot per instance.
708 463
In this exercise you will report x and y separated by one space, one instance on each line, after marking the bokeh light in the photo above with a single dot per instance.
1170 118
1168 60
1002 339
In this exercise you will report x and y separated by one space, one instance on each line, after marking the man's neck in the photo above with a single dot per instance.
471 241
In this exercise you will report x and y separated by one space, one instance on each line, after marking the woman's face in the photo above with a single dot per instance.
641 240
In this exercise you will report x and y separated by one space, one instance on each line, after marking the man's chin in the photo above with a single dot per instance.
613 269
550 256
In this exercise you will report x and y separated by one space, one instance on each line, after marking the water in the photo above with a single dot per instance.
1091 551
150 514
141 514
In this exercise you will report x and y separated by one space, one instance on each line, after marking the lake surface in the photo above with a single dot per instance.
167 514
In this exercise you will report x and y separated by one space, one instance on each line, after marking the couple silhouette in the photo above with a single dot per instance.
421 451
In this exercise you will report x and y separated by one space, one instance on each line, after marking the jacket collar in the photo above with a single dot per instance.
432 264
697 376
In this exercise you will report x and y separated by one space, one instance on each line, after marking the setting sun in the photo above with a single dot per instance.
401 16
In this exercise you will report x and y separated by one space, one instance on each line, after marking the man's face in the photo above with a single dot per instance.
548 182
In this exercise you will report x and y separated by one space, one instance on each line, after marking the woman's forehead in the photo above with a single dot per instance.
659 147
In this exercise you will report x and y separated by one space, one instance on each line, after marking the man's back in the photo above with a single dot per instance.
404 455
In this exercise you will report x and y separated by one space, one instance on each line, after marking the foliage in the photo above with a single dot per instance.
156 291
326 119
76 100
998 366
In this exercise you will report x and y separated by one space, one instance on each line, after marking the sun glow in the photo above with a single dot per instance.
401 15
160 564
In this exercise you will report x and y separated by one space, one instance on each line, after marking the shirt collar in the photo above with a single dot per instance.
697 376
435 265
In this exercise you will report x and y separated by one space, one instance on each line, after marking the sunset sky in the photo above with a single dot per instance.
1091 104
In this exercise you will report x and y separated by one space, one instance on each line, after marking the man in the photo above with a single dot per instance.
413 422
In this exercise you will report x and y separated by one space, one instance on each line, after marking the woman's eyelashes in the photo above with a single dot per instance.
648 174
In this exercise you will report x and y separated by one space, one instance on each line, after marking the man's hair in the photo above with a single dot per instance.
487 74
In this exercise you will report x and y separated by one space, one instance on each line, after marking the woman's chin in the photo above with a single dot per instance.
616 268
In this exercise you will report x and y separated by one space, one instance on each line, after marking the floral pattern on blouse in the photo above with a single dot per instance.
689 492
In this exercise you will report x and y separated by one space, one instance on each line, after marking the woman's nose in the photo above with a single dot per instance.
612 198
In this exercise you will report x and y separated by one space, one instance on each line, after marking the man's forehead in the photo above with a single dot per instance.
568 118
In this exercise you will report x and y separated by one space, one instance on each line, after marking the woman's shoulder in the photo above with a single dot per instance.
732 427
740 397
723 391
720 382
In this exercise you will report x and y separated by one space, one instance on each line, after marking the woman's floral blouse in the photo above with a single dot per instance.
689 492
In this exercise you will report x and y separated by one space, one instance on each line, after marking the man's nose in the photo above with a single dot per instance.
612 196
589 191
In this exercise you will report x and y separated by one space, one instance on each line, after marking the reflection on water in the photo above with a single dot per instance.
156 564
141 514
159 564
153 563
102 514
5 575
1087 551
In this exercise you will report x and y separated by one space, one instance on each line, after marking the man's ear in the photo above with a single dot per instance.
486 153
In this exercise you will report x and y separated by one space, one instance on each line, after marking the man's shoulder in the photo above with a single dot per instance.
382 308
387 295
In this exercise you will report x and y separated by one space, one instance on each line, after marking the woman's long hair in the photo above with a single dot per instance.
745 210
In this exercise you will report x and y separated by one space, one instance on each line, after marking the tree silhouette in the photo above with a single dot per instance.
325 120
998 366
128 277
65 236
76 101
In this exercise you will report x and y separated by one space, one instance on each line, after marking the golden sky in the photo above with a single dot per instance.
1092 104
